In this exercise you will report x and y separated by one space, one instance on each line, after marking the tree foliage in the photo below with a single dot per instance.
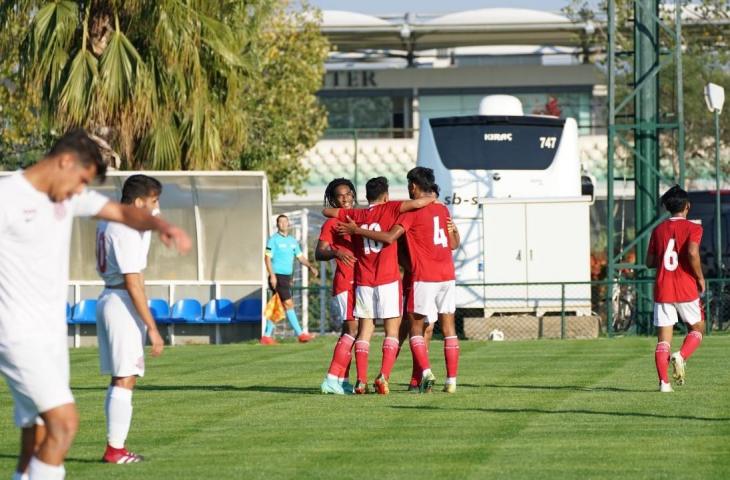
706 58
174 84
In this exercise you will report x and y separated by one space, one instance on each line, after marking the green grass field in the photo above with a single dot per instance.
541 409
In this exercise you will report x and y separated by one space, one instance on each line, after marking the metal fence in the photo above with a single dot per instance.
522 311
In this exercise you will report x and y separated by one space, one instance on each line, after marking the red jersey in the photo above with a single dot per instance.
669 243
344 276
377 264
428 243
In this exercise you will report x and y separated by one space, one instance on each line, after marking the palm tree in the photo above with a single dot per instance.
159 79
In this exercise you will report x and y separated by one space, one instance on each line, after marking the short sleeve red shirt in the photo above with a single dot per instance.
428 243
377 264
669 244
344 276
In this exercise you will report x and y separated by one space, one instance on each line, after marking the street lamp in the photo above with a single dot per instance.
715 97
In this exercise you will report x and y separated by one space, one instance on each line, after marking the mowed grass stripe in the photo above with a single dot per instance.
542 409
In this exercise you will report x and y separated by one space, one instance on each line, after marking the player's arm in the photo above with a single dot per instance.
331 212
324 252
693 252
134 283
351 228
140 219
270 268
304 261
651 258
417 203
454 237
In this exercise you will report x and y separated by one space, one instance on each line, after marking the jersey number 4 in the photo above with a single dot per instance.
439 236
369 245
671 258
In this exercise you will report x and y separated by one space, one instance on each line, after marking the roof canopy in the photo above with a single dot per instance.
349 31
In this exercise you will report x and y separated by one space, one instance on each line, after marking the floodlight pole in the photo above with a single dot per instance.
718 208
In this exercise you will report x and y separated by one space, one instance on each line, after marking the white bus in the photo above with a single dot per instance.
513 185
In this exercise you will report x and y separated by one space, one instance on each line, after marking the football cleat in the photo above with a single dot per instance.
347 387
450 387
305 337
361 388
427 382
678 365
331 386
414 386
120 456
665 387
266 340
381 385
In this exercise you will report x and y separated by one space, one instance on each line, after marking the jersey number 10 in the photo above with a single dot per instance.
671 259
369 245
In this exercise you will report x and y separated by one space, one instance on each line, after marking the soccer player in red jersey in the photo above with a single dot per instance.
340 193
377 279
434 279
674 250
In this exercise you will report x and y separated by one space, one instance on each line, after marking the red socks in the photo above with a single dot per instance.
362 351
451 354
691 342
661 358
342 356
390 352
419 352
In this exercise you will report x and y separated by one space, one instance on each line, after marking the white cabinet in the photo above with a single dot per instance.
536 241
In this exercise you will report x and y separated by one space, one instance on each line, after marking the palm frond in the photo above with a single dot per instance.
79 89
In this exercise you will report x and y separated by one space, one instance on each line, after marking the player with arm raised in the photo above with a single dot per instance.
123 318
340 193
434 281
37 208
377 279
674 250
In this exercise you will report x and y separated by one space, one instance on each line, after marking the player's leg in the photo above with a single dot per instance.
390 352
62 423
418 324
389 305
342 355
665 316
122 355
283 288
366 326
445 299
30 439
692 314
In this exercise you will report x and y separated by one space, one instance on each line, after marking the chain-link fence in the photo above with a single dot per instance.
523 311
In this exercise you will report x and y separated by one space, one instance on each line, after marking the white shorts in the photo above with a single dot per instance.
665 314
432 298
37 373
343 306
383 301
121 334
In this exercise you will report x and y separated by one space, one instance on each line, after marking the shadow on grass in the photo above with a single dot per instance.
68 460
570 387
215 388
563 412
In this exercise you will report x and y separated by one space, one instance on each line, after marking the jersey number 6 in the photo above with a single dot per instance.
671 259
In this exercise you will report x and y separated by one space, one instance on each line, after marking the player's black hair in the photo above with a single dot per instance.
85 149
280 217
331 190
675 199
140 186
424 179
375 188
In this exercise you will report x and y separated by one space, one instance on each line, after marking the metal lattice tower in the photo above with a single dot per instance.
655 47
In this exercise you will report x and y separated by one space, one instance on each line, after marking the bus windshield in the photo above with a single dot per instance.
497 142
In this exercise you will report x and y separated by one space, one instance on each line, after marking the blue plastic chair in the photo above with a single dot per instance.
68 313
218 310
160 310
249 311
84 312
187 310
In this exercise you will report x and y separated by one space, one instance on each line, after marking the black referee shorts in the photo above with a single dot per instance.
283 287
